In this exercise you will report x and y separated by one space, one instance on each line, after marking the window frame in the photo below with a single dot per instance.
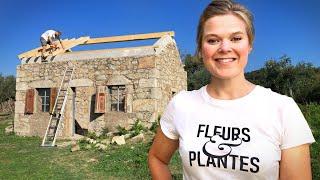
118 99
44 99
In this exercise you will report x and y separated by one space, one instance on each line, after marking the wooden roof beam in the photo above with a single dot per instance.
128 38
70 43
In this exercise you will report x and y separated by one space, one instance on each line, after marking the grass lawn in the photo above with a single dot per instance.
312 114
23 158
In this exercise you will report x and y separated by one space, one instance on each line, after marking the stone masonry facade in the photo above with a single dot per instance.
146 77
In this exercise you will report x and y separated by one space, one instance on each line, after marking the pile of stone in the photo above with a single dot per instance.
104 143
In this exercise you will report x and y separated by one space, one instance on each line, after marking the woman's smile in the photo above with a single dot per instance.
224 60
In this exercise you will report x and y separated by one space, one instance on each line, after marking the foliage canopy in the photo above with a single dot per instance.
300 81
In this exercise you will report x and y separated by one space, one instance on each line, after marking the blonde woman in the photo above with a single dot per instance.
231 128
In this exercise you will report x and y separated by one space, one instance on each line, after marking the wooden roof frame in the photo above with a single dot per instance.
134 37
68 44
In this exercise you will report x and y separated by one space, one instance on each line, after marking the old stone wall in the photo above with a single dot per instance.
172 77
136 73
149 80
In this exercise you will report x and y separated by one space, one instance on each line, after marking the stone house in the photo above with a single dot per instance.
109 87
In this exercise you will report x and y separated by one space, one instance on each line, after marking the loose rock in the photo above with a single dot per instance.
9 129
138 138
75 147
118 140
106 141
127 136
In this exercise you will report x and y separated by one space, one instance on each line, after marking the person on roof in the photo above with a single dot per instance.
50 37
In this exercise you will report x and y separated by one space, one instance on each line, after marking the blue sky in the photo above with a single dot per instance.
290 27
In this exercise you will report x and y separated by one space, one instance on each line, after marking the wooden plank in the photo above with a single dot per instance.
35 52
70 44
66 43
128 37
29 53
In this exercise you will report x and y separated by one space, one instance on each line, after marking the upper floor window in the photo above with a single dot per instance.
117 98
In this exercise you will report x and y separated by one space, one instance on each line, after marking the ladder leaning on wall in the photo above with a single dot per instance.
57 113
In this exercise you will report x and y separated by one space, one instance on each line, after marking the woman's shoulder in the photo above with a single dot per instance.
188 94
185 97
269 95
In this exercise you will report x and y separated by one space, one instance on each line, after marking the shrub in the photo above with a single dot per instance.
154 126
121 130
92 135
312 114
82 143
104 133
137 128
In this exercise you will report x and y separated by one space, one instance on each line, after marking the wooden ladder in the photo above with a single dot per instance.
57 113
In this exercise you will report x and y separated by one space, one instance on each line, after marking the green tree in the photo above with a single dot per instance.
7 88
197 75
300 82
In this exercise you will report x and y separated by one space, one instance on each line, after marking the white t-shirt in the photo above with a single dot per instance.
49 34
234 139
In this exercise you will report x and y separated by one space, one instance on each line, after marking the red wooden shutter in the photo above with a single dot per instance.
28 109
53 96
100 106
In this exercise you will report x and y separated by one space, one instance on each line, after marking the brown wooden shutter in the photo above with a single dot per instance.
100 106
53 96
28 109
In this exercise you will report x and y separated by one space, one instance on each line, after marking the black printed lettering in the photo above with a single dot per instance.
199 162
192 157
244 132
210 160
233 160
207 130
200 129
235 133
242 163
216 131
253 163
223 161
225 135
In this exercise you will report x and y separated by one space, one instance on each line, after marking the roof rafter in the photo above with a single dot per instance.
128 38
70 43
67 43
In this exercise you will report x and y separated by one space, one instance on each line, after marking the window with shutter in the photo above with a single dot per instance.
29 102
